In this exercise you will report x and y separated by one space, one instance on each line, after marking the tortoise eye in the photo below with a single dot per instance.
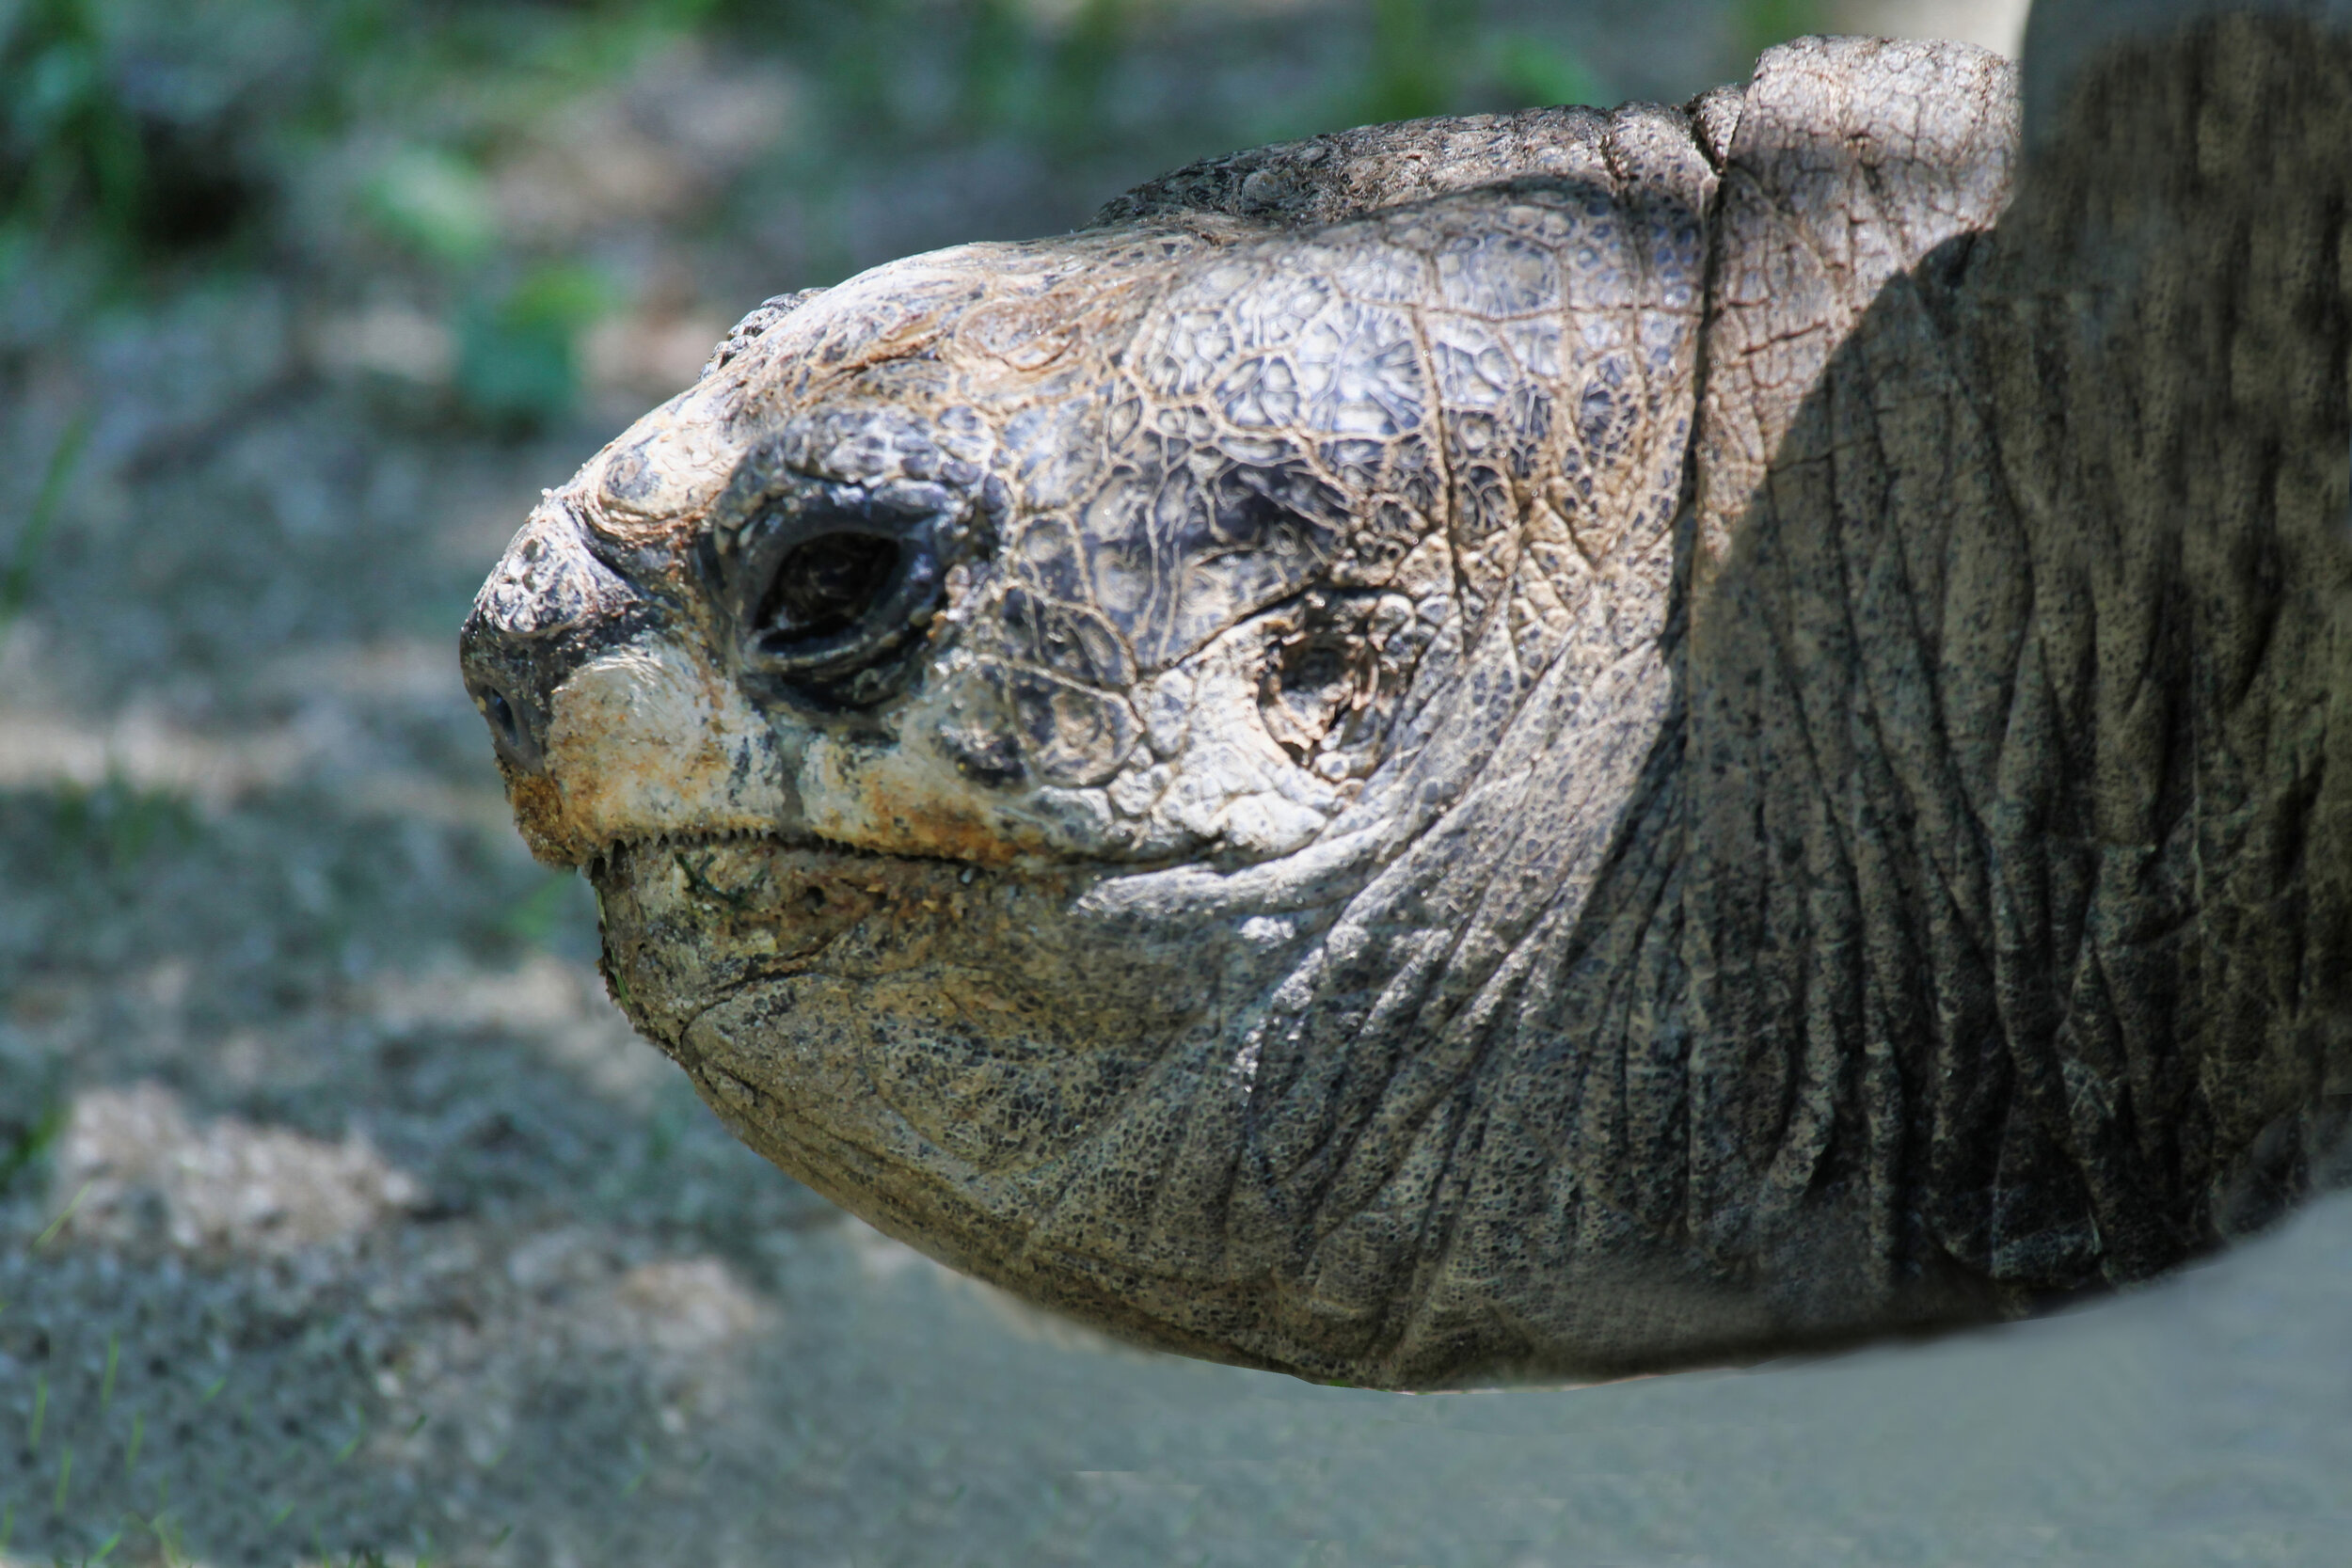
823 587
827 586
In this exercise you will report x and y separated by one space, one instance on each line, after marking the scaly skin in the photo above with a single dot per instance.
1550 745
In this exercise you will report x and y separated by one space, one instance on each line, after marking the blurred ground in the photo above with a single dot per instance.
341 1217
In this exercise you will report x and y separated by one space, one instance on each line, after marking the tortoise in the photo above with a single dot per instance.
1541 745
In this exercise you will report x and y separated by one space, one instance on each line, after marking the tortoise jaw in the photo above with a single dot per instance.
688 920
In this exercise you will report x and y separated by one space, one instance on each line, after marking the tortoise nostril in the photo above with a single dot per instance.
501 713
511 731
550 606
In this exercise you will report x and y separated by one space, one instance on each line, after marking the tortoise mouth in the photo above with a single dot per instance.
795 884
688 920
779 877
616 851
605 862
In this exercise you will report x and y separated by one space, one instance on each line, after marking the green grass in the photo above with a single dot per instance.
1532 71
535 918
436 203
28 1145
71 143
32 536
118 190
154 1530
1414 59
118 822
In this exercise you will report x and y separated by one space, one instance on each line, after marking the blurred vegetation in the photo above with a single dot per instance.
23 555
29 1126
117 822
1761 24
518 350
144 144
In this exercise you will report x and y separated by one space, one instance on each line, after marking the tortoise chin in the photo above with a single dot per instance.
953 1051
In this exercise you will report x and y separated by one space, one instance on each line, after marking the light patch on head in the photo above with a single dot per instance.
1223 779
1260 742
908 798
648 739
905 801
667 467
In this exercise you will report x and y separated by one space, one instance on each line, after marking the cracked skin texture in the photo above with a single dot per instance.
1546 746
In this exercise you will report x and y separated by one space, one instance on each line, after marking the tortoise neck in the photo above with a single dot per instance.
2019 780
2161 340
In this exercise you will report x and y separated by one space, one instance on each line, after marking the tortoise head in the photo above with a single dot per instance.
924 569
978 699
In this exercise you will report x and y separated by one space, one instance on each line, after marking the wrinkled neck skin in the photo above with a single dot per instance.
1715 738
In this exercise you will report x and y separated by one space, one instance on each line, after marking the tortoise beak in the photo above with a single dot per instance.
549 606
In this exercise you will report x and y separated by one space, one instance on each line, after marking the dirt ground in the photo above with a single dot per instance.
342 1219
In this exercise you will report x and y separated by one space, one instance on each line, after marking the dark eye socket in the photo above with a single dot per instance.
825 585
830 590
